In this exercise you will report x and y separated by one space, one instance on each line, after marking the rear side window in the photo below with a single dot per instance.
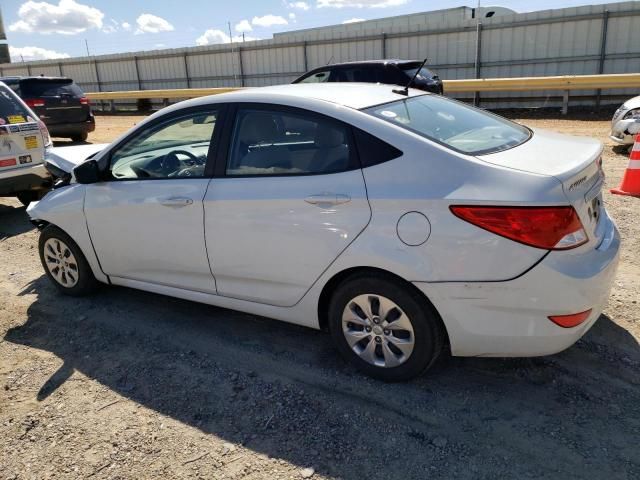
12 110
274 142
453 124
360 73
372 150
49 88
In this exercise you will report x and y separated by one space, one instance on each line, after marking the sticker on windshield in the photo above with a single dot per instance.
389 113
31 142
16 119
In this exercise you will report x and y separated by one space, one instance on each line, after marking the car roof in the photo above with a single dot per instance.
384 61
34 77
353 95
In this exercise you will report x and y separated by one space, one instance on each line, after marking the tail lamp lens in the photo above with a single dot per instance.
84 101
569 321
550 228
45 133
34 102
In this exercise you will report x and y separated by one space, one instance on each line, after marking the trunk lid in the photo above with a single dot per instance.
575 161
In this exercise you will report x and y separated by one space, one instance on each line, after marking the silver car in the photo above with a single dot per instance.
625 124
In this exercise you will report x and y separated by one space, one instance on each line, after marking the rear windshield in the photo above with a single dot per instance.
12 110
411 69
453 124
49 88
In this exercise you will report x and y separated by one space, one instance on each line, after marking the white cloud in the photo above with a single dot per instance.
299 5
112 28
34 53
214 36
359 3
126 26
148 23
353 20
67 17
243 26
269 21
292 17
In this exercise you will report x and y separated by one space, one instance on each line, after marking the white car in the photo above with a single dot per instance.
402 224
625 124
24 140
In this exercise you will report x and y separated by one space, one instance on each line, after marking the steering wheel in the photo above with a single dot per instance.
171 163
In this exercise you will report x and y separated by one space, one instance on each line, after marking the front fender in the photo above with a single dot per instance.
64 208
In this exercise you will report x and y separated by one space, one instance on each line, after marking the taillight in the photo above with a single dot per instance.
34 102
45 133
84 101
570 321
551 228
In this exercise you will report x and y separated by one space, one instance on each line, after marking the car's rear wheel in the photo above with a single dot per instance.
80 137
385 328
64 263
29 196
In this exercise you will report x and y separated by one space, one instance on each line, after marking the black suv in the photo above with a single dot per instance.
392 72
59 103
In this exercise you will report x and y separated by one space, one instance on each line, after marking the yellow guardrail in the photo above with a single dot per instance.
567 82
169 93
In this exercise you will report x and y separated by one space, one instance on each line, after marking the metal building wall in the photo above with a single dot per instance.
582 40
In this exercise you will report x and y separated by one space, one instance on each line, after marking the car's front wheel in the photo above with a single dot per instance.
64 263
384 327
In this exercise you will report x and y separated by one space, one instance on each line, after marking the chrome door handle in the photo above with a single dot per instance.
327 199
176 202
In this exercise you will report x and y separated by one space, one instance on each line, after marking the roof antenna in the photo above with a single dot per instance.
405 91
330 60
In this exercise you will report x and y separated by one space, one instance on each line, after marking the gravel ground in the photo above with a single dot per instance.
128 384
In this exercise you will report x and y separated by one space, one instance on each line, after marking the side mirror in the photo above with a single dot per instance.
87 172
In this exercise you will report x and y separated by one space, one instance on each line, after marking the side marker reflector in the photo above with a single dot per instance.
569 321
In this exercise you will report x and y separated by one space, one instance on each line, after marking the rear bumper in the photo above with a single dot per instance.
23 179
504 319
63 129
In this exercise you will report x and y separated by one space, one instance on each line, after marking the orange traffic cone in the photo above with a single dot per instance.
630 184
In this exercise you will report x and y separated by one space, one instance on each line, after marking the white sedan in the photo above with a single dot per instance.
402 224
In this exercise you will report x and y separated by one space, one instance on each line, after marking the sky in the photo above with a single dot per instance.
44 29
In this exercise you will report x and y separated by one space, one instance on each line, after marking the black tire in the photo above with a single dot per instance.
86 281
80 137
29 196
427 328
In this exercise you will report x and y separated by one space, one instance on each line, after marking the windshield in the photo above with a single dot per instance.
454 124
50 88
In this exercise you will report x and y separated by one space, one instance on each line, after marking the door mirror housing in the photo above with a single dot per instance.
87 172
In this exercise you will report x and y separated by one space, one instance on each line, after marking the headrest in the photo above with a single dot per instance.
258 127
328 136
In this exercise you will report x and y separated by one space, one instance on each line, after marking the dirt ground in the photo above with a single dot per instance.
128 384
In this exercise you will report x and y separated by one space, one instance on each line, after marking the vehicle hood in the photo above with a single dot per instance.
631 103
67 158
